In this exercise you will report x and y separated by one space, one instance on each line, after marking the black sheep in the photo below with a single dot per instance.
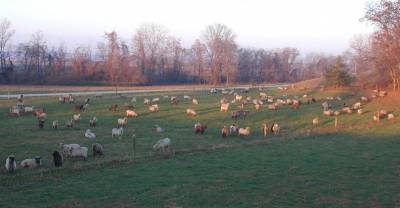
57 158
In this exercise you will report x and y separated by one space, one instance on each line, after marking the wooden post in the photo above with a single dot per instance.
379 116
336 121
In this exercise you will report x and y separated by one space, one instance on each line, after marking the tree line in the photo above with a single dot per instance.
153 56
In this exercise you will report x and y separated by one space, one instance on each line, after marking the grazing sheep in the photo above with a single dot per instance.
162 145
238 98
146 101
11 164
93 122
187 97
117 132
357 106
191 112
31 163
360 111
122 122
69 123
154 108
213 91
89 134
199 128
194 101
174 100
224 107
328 112
28 109
57 159
347 110
263 94
67 148
97 149
155 100
55 124
131 113
364 99
336 113
233 129
315 121
244 131
80 152
158 129
390 117
113 107
273 106
275 128
76 118
224 132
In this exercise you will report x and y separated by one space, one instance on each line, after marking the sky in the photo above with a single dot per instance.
323 26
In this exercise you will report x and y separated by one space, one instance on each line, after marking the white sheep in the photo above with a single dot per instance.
187 97
31 163
76 117
238 98
28 109
80 152
11 164
117 132
328 112
360 111
131 113
146 101
55 124
191 112
315 121
390 116
233 129
122 122
273 106
133 100
357 106
89 134
195 101
162 145
155 100
224 107
154 108
244 131
67 148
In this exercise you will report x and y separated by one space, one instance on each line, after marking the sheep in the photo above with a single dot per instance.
31 163
97 149
213 91
89 134
347 110
117 132
275 128
15 111
131 113
194 101
11 164
328 112
122 122
133 100
315 121
146 101
155 100
93 122
187 97
41 123
67 148
224 132
257 106
57 159
296 104
263 94
76 118
69 123
85 107
390 117
113 107
80 152
154 108
357 106
174 100
158 129
28 109
336 113
55 124
199 128
364 99
61 99
273 106
360 111
224 107
233 129
162 145
238 98
191 112
244 131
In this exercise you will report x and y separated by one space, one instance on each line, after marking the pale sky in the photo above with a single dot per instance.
310 25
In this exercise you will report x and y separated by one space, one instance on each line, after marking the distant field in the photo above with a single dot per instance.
356 165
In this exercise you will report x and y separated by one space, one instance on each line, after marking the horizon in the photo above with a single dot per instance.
313 26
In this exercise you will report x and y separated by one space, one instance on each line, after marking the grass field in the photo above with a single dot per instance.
356 165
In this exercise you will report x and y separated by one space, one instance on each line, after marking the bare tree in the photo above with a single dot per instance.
221 50
5 35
